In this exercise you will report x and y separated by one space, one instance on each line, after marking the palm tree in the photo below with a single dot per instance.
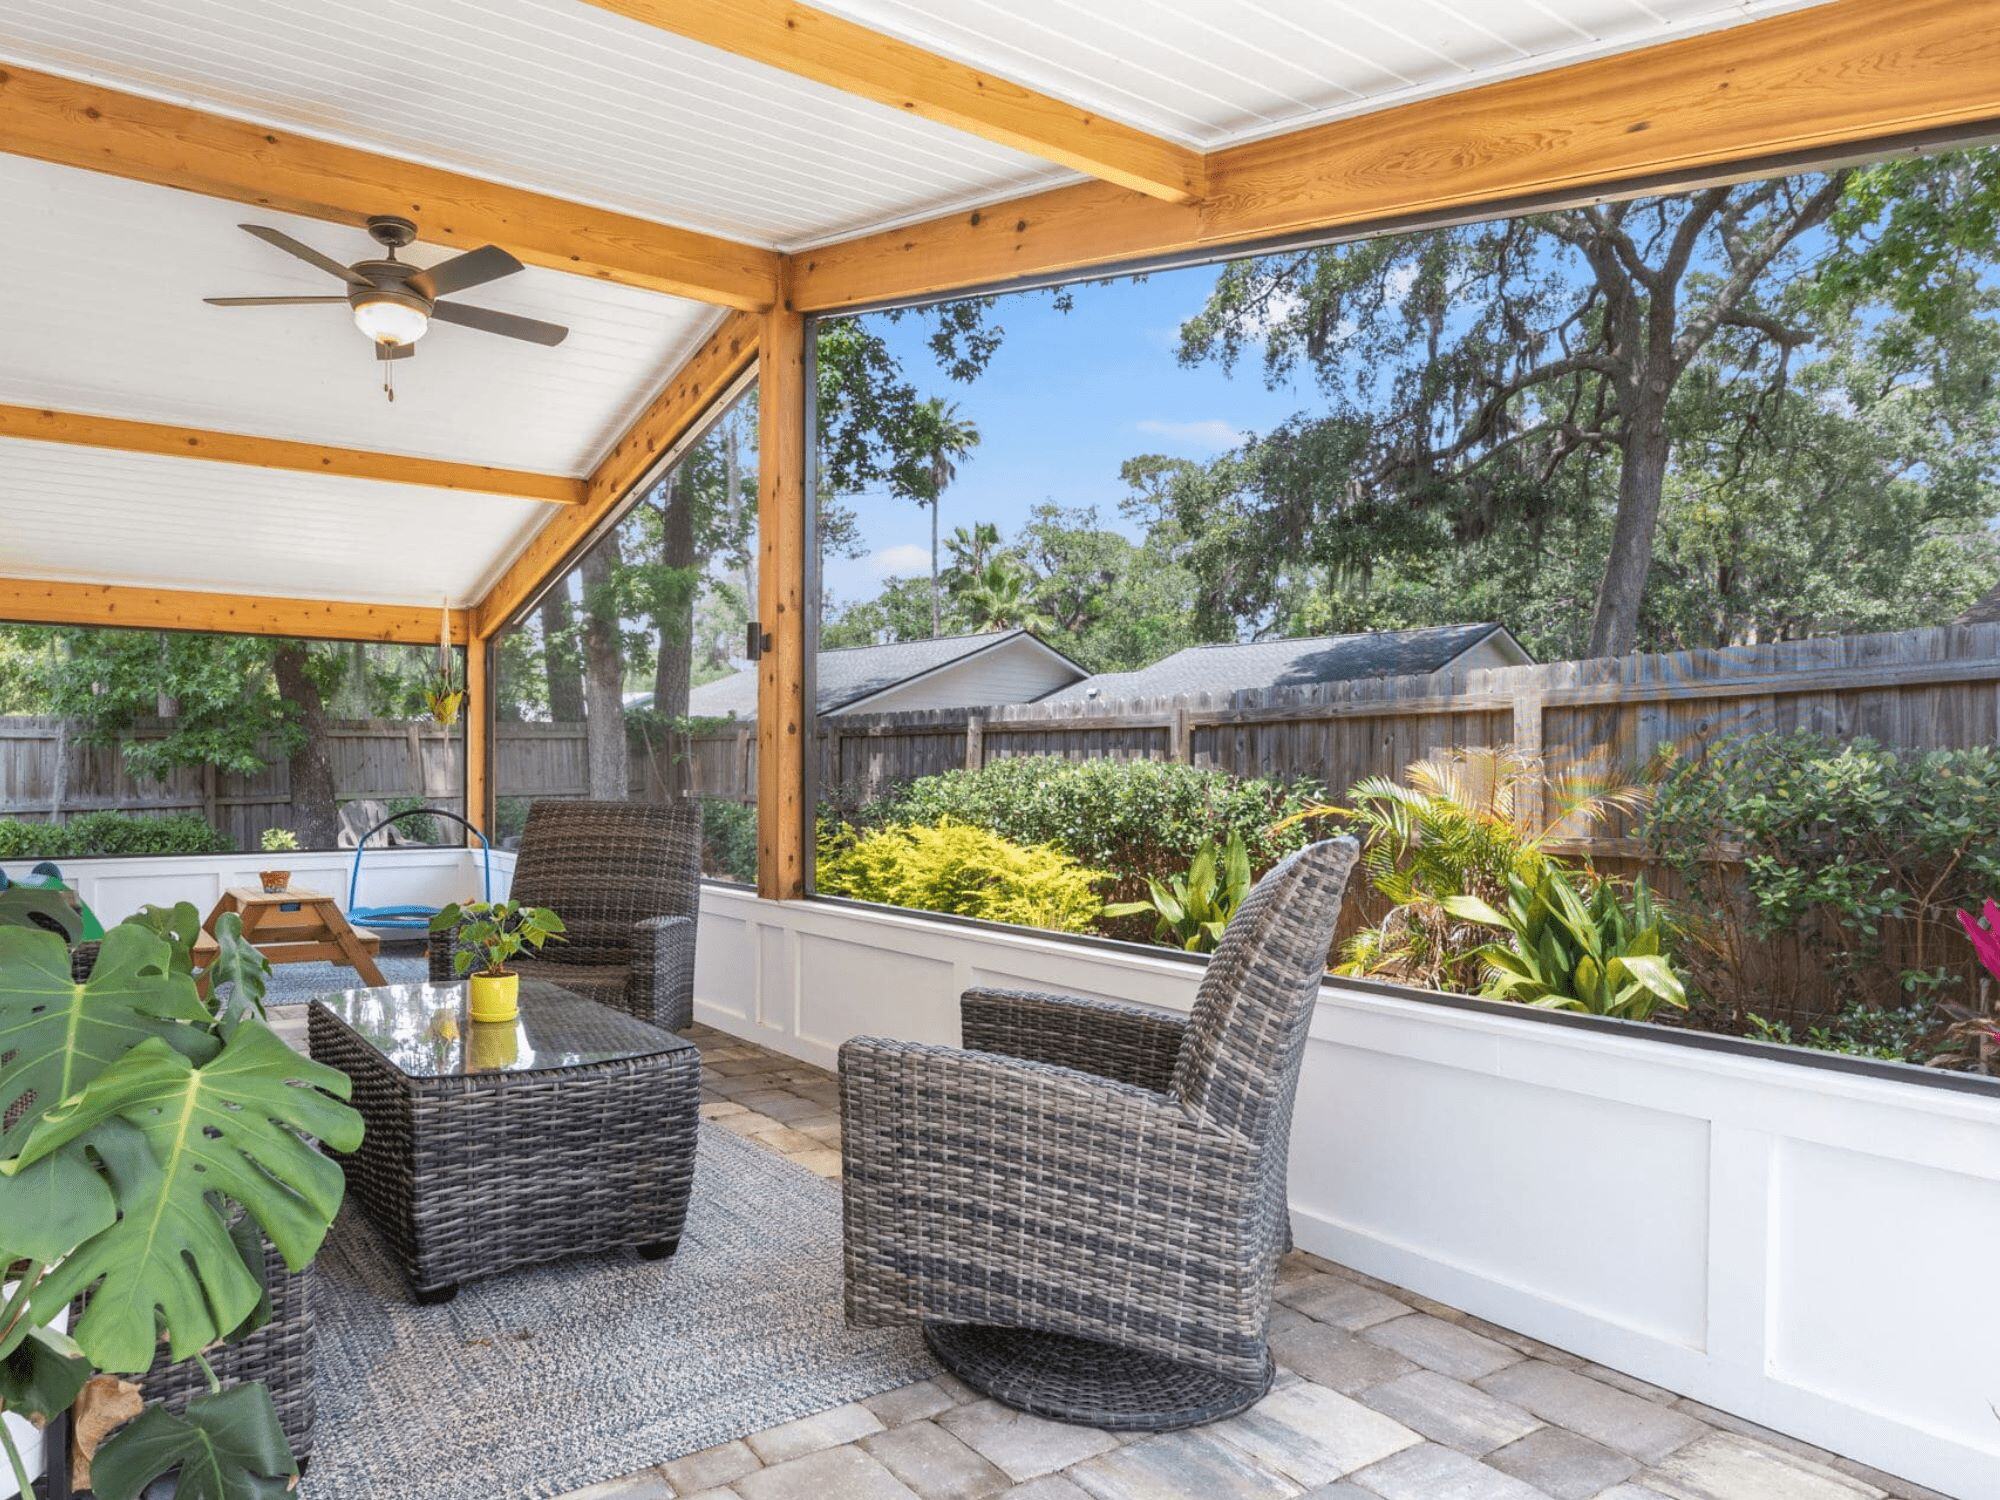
942 438
970 549
1000 597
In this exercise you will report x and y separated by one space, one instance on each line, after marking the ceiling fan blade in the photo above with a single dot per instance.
474 268
268 301
305 253
394 351
488 321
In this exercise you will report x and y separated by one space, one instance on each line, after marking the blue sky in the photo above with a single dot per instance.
1068 398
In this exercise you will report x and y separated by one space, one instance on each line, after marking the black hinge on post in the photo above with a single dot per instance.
757 640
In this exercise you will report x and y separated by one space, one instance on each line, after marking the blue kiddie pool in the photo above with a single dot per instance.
407 918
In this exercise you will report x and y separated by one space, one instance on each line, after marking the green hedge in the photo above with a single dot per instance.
966 871
1134 818
729 840
111 833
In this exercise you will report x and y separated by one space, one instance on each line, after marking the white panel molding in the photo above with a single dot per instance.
1722 1177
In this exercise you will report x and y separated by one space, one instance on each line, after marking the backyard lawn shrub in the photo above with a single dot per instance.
969 872
1858 853
1137 819
111 833
729 840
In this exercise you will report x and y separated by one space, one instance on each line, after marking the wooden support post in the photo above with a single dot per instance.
975 742
1180 743
478 737
783 716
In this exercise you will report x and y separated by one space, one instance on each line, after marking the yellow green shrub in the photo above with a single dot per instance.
966 871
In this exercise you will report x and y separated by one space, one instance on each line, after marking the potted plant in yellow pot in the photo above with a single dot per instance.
278 841
487 934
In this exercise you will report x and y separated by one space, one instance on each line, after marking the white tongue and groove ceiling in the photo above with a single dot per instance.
101 280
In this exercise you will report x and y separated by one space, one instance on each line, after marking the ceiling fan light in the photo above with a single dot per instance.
387 321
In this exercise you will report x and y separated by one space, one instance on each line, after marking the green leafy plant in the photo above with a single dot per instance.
1571 949
1139 820
496 931
156 1140
1462 823
729 839
111 833
279 841
1190 911
969 872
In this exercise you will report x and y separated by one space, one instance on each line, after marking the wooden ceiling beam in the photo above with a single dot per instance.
872 65
1846 75
42 426
26 601
683 402
79 124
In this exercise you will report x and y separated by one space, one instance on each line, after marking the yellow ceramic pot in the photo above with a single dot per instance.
496 997
489 1047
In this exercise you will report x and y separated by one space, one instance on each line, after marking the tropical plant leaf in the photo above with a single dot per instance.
57 1035
179 925
42 909
42 1374
50 1208
1653 973
227 1446
170 1135
239 966
1472 909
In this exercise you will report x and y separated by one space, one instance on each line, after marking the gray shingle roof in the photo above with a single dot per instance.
1304 662
1984 612
849 674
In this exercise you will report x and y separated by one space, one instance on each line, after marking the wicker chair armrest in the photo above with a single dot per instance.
1129 1043
663 971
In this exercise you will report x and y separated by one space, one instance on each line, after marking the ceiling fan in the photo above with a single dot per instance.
394 302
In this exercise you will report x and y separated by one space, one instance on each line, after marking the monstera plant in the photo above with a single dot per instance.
152 1140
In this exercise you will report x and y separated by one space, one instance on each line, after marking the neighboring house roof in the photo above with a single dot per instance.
850 675
1304 662
1985 612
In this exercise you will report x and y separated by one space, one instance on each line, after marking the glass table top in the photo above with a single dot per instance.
425 1031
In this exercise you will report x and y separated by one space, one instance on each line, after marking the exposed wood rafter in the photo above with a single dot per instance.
1827 78
27 601
730 350
74 428
147 140
836 52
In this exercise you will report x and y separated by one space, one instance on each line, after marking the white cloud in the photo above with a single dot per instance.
905 558
1211 433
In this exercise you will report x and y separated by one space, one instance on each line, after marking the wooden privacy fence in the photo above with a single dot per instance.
45 771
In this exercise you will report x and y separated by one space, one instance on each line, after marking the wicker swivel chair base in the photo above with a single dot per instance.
1094 1384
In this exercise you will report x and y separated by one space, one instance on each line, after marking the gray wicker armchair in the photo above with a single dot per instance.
625 877
1086 1207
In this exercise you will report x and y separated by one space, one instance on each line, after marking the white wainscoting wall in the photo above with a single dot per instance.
1799 1246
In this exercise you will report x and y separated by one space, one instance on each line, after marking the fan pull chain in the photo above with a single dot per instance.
389 379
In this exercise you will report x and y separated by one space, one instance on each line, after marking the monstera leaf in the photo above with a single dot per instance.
37 906
57 1035
41 1375
179 925
50 1208
242 968
227 1447
175 1138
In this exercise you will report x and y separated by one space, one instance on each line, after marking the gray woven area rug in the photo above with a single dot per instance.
295 984
543 1381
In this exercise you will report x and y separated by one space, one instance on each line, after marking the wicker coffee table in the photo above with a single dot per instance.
569 1131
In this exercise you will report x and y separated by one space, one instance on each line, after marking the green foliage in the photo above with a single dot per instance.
111 833
729 840
422 829
954 867
1912 1034
1457 825
279 841
1138 819
227 1446
1190 911
1568 950
156 1141
38 906
496 931
1862 853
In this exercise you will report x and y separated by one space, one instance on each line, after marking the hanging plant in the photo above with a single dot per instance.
444 688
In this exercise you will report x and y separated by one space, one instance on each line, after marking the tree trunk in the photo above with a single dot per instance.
1615 624
559 666
937 612
605 750
315 814
674 628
